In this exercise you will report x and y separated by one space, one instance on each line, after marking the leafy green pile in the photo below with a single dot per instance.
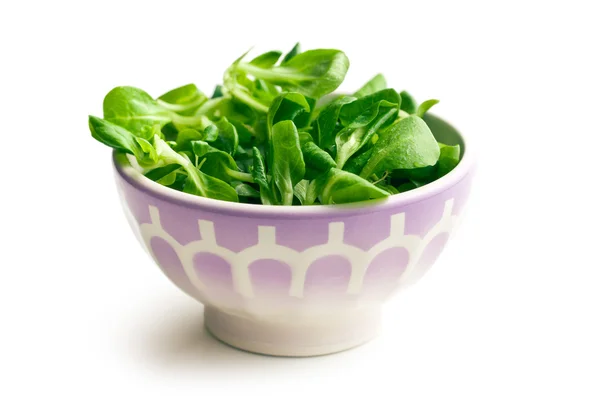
271 135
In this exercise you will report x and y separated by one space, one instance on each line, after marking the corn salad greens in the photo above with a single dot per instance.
270 134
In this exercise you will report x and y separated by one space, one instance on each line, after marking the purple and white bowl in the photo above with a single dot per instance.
294 280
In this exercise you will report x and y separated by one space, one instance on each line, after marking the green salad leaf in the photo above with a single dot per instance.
376 84
365 109
327 123
259 174
197 182
287 164
425 106
134 110
362 118
313 73
338 187
449 158
217 163
292 53
266 60
406 144
407 103
289 106
184 100
316 160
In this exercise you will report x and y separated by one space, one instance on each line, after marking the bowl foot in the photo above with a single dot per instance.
296 337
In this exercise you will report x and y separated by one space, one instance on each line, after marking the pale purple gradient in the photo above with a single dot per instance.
327 276
270 278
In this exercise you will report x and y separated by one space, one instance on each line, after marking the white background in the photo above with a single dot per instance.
510 311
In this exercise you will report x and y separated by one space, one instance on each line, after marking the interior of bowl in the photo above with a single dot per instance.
445 133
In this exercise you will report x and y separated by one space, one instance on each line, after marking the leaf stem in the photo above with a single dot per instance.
277 73
385 175
249 100
240 176
180 107
210 105
199 121
171 156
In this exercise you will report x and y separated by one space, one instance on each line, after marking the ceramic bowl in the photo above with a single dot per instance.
293 280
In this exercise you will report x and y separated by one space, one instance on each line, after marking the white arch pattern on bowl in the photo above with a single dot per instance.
298 261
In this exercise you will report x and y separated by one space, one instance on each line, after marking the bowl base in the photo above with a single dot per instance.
297 337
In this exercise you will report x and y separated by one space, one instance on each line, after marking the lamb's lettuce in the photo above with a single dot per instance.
272 133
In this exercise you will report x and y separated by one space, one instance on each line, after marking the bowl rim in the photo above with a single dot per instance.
135 178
